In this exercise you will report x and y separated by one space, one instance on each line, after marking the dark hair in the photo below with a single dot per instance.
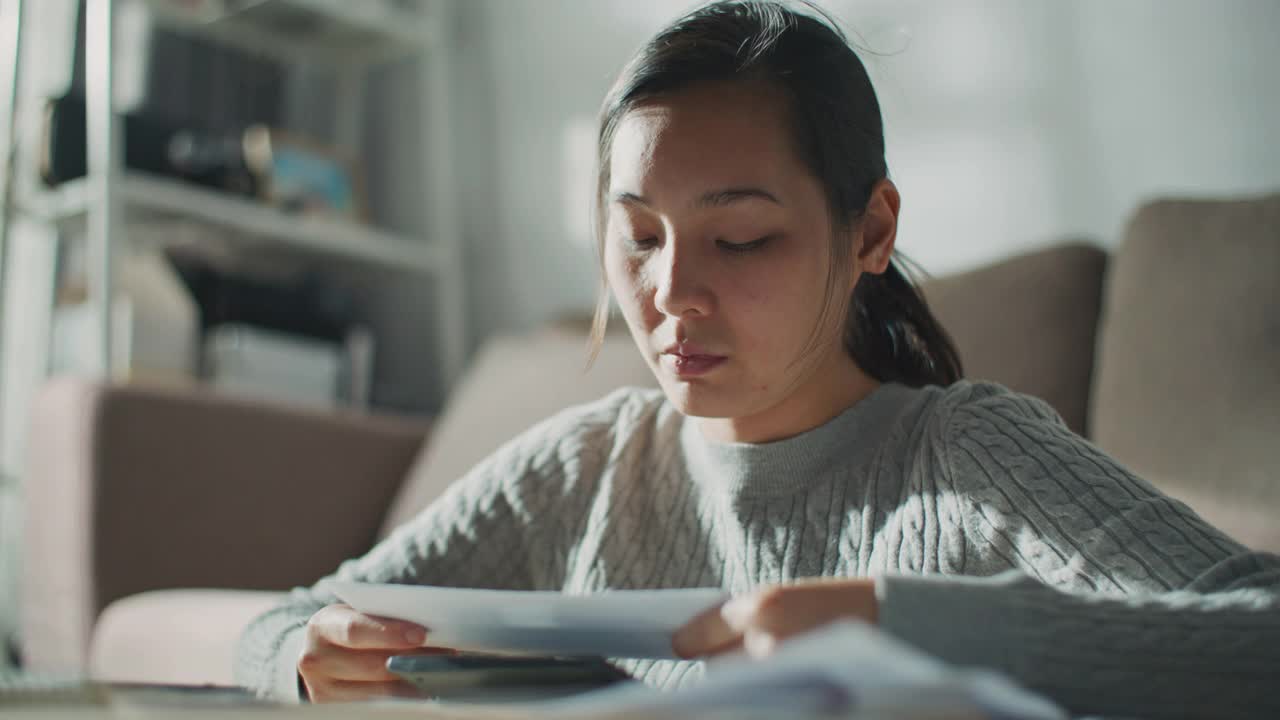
835 119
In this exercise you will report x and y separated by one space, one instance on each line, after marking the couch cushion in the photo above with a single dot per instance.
174 637
513 383
1188 378
1028 323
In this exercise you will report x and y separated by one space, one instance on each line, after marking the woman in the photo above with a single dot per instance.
812 449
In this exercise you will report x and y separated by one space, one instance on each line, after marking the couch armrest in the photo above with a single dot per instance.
131 489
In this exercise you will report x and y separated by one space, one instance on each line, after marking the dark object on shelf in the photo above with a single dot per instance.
307 305
151 144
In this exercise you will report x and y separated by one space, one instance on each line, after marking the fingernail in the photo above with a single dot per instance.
415 636
759 644
680 644
736 612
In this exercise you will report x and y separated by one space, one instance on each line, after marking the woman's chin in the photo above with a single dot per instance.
696 399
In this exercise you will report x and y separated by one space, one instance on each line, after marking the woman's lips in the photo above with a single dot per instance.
692 365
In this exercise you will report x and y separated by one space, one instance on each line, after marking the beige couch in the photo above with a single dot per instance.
1166 354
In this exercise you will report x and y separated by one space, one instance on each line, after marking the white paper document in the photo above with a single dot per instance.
620 624
847 669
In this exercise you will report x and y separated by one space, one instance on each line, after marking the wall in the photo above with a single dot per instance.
526 70
1182 98
1010 124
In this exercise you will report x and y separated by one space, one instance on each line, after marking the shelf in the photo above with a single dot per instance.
248 221
324 30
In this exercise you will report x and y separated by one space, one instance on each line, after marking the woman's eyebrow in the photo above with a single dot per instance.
712 198
728 196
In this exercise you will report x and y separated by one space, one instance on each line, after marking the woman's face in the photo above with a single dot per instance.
717 249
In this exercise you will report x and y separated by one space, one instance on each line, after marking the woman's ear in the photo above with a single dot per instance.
878 228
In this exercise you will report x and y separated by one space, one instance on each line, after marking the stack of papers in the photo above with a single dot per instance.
845 668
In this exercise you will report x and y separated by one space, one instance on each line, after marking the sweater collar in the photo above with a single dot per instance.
747 470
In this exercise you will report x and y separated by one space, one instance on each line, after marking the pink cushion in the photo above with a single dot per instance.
178 637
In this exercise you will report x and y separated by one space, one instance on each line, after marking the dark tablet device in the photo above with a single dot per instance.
499 677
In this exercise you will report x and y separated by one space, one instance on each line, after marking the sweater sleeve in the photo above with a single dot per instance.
469 537
488 530
1120 599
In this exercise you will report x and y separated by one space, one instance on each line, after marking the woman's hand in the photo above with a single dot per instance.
345 655
759 621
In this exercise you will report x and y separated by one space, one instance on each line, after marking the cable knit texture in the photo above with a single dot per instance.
998 538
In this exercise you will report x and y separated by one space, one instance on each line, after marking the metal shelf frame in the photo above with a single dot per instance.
251 223
346 36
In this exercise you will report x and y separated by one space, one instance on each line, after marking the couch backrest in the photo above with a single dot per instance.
1028 323
1042 344
1187 393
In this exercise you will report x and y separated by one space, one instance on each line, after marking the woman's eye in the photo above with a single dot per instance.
647 243
743 247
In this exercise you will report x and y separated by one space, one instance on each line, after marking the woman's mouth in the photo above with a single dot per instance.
687 366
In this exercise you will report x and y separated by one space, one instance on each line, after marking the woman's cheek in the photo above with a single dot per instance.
627 282
643 298
617 271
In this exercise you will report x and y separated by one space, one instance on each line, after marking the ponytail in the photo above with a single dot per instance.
892 334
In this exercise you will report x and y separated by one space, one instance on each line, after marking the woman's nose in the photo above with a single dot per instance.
682 288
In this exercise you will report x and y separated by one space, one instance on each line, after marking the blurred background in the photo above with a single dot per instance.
334 204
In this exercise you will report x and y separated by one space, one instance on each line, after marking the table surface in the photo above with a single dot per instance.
75 700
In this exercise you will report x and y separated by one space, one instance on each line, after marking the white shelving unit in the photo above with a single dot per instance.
347 37
293 29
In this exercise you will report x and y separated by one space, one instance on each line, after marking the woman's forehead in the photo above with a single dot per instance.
719 136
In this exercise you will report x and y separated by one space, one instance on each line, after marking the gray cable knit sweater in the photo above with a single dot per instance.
997 537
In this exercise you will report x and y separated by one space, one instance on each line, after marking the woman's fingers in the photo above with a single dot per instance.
362 665
705 634
347 691
345 654
724 628
344 626
366 665
786 610
762 619
778 611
